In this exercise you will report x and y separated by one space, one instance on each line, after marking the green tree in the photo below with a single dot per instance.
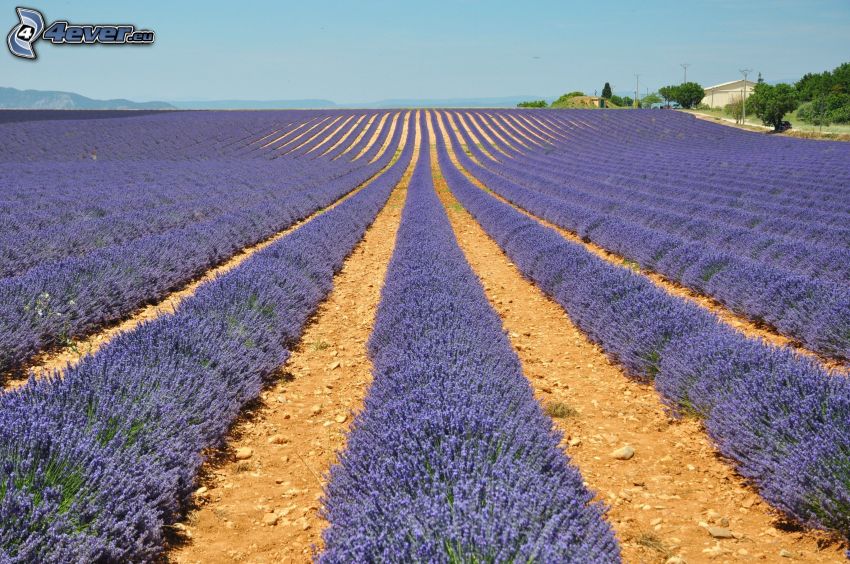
649 99
617 100
533 104
627 102
667 92
688 94
814 85
771 103
606 91
814 112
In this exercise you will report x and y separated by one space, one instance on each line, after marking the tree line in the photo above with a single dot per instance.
819 99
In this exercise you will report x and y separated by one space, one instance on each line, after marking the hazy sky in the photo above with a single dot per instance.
358 51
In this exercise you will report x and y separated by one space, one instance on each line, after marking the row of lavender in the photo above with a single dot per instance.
815 312
675 145
97 462
779 416
452 458
53 209
780 179
199 136
59 300
796 237
775 210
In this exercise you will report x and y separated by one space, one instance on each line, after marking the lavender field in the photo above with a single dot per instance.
597 336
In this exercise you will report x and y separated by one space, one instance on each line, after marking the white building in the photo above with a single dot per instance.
719 95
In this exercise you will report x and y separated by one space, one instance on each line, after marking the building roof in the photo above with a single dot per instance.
722 84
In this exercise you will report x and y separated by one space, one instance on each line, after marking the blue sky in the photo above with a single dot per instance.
359 51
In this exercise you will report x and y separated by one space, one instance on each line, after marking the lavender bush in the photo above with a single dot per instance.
95 463
780 417
452 458
814 310
71 288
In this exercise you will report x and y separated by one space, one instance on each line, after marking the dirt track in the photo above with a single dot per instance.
52 360
666 497
663 502
265 508
738 322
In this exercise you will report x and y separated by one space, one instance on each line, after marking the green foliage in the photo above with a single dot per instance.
771 103
606 91
814 85
559 410
735 109
567 96
533 104
814 113
688 94
829 95
627 102
826 109
666 92
616 100
649 99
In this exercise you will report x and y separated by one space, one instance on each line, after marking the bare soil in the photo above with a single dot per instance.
738 322
266 508
59 360
344 138
664 499
314 125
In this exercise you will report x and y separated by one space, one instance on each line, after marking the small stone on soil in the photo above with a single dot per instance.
623 453
244 453
720 532
270 519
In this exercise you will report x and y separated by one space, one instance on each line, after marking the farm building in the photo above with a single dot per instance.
719 95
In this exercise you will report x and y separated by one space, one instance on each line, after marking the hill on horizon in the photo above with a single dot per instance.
14 99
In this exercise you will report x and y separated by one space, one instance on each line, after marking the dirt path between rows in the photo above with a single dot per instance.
727 316
328 136
292 131
665 498
348 133
322 133
523 139
53 360
264 508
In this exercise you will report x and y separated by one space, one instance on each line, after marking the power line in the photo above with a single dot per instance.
637 90
745 72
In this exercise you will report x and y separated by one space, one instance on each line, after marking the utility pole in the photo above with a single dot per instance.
685 66
745 72
637 89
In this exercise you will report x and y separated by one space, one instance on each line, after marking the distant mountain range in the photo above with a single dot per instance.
12 98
